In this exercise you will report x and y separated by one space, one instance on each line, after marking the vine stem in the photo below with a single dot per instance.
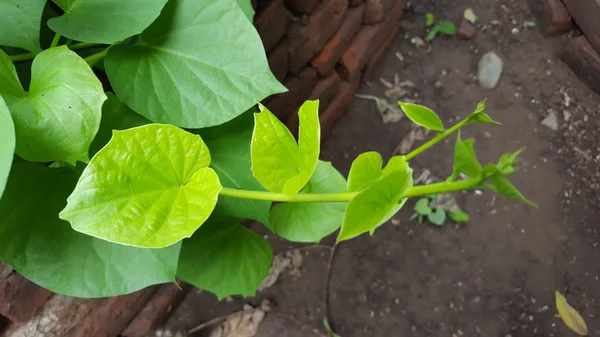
438 138
55 40
95 58
415 191
30 56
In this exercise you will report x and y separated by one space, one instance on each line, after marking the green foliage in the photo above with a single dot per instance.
425 209
116 223
442 27
429 19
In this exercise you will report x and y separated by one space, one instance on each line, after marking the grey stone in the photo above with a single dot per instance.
490 70
551 121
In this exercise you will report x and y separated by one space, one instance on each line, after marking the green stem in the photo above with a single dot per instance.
31 56
95 58
55 40
415 191
437 138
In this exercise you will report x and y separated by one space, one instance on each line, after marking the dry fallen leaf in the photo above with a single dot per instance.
470 16
291 259
243 325
569 315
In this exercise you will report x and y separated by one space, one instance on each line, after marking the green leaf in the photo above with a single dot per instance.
465 160
246 6
225 258
446 27
508 161
329 329
422 116
200 64
278 163
20 24
7 144
469 15
149 187
479 116
459 216
430 19
432 33
437 217
115 116
118 19
376 204
422 206
310 222
365 170
45 249
60 115
504 187
229 146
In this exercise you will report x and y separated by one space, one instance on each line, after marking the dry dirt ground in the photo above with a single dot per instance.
495 275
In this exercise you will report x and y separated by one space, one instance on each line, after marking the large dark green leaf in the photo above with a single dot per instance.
7 144
310 222
20 24
149 187
60 115
200 64
104 21
49 252
225 258
229 146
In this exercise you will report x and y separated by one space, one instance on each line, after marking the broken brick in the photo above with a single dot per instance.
376 10
271 23
552 17
380 54
278 61
584 61
586 14
337 107
302 7
300 87
466 30
20 299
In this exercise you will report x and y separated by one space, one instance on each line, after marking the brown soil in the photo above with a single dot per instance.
496 275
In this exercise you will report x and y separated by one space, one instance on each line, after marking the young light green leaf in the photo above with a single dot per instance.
246 6
225 258
185 62
115 116
7 144
310 222
569 315
446 27
60 115
430 19
119 19
278 163
508 161
437 217
376 204
422 116
20 24
422 207
469 15
459 216
365 170
47 251
479 116
432 33
465 160
152 199
504 187
229 146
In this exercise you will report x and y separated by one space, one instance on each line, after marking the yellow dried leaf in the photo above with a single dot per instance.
570 316
470 16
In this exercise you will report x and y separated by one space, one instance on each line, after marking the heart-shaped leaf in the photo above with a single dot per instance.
229 146
20 24
225 258
46 250
310 222
278 162
7 144
246 6
437 217
119 19
422 207
149 187
422 116
60 115
200 64
465 160
366 169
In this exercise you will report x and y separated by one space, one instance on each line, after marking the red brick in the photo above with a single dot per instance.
156 311
309 36
366 43
300 87
20 298
586 14
333 50
271 23
337 107
301 7
552 17
380 54
278 61
376 10
584 61
355 3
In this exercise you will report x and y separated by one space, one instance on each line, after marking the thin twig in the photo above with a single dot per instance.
222 318
326 285
298 323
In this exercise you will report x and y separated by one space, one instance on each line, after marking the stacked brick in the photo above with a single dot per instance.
582 53
323 50
320 49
